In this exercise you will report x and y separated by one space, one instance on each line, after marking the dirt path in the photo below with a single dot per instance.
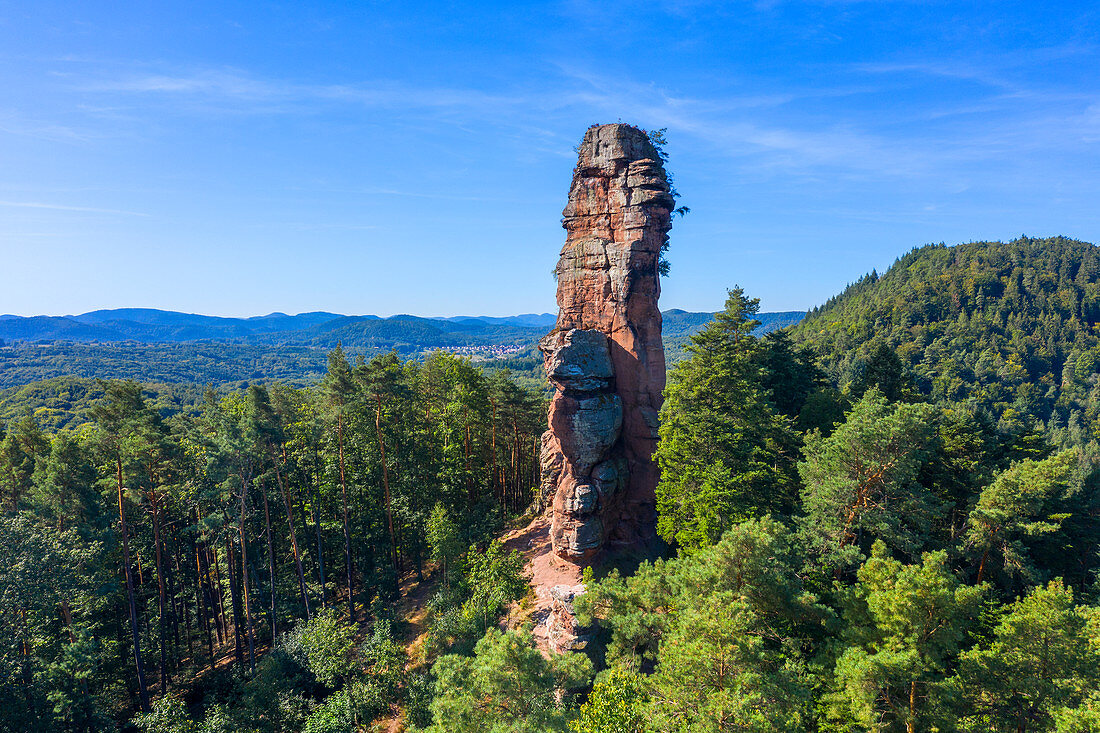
547 570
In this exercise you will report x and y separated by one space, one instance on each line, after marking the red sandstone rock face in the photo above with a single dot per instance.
598 472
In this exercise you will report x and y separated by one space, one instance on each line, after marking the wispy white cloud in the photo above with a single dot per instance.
792 128
231 86
787 131
966 70
403 193
12 124
1012 73
62 207
747 128
303 226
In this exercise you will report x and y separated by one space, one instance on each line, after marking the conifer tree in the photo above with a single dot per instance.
1041 664
725 452
339 391
861 482
114 415
1015 507
905 624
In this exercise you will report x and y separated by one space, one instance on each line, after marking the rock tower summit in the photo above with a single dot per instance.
604 357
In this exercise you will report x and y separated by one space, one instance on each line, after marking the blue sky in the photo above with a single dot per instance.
241 158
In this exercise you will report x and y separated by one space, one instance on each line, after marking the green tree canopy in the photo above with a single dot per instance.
905 624
507 686
1042 664
860 482
726 452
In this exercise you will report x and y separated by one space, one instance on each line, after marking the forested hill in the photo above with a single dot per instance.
1009 326
63 402
678 326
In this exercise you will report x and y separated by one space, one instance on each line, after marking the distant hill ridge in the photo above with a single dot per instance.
319 328
164 346
150 325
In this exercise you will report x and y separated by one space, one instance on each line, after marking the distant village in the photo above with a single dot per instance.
495 351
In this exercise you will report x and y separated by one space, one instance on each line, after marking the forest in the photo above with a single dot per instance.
1007 327
185 553
884 518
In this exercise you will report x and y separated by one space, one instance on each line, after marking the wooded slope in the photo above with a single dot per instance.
1007 326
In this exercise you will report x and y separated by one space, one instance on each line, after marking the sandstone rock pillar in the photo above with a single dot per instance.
605 358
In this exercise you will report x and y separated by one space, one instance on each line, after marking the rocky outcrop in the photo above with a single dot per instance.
605 358
564 634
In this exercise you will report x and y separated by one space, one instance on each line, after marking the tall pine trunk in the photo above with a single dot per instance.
320 546
347 529
515 463
139 667
154 501
293 540
219 592
205 600
244 586
235 601
493 450
270 567
183 609
386 489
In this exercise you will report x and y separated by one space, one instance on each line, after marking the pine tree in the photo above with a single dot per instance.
725 452
860 482
905 624
339 392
